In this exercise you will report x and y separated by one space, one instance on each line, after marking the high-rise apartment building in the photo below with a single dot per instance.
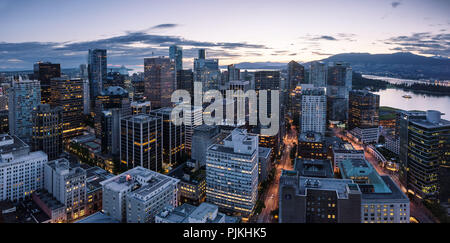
110 131
160 81
24 97
47 134
314 111
296 75
232 173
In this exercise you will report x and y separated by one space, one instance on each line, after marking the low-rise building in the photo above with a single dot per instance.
137 195
186 213
192 188
318 200
382 201
345 151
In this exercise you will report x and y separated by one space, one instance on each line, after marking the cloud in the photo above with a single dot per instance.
129 48
423 43
395 4
164 26
337 37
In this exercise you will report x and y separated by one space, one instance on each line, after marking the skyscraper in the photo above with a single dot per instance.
206 71
232 173
233 73
24 97
141 141
296 75
173 138
97 72
160 81
176 55
47 133
339 84
428 154
68 94
364 117
44 72
111 98
110 131
318 74
314 111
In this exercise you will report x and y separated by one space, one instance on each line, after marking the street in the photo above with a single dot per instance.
271 195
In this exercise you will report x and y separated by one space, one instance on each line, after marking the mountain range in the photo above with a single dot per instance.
400 65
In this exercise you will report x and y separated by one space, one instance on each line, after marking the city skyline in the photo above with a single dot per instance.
233 32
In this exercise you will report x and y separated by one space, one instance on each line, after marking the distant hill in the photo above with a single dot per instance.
260 65
401 65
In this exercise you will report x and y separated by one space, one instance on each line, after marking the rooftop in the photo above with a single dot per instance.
264 152
314 168
98 218
310 137
341 186
363 173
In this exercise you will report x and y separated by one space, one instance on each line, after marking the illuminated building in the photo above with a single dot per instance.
141 141
97 72
67 183
159 81
138 195
68 94
311 146
47 133
44 72
4 123
344 151
296 75
364 116
232 173
94 196
173 138
206 71
21 171
382 201
427 144
192 187
318 200
176 55
24 97
313 111
141 107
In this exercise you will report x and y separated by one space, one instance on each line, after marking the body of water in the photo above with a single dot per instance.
394 98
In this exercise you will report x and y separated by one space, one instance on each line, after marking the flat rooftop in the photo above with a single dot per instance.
140 118
395 192
341 186
11 144
314 168
264 152
361 168
98 218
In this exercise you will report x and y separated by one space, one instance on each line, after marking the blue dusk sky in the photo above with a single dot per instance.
62 31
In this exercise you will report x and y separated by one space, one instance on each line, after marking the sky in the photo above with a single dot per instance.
233 31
